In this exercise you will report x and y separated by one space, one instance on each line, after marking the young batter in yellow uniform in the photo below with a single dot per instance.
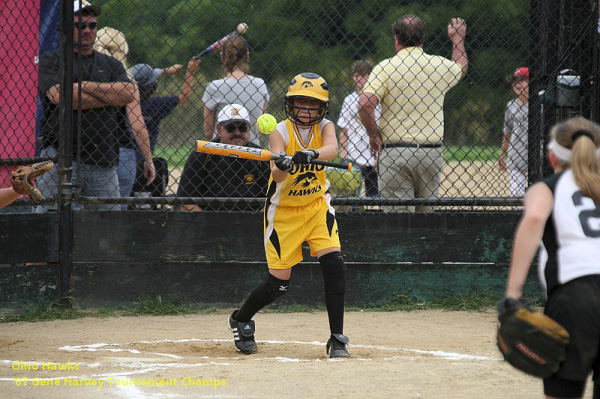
298 209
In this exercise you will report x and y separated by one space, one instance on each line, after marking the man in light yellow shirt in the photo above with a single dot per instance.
411 87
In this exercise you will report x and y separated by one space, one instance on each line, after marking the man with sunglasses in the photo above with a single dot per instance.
100 88
207 175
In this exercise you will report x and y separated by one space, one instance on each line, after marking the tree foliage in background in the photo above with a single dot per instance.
287 37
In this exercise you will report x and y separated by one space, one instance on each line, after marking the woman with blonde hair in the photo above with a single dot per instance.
237 87
562 212
112 42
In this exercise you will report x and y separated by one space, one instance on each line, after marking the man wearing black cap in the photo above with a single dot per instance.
100 87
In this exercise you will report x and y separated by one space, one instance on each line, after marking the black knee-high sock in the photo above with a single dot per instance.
335 311
334 276
263 295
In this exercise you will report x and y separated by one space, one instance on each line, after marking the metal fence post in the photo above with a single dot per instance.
65 160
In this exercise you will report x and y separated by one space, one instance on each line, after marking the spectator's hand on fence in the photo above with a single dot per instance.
149 172
457 29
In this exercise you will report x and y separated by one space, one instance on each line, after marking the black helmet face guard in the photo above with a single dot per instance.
293 111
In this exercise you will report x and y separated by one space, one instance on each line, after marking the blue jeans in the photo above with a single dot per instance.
94 181
126 171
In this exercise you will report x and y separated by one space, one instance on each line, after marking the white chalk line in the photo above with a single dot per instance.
436 353
143 367
129 390
102 376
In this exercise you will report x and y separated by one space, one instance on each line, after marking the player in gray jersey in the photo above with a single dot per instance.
563 213
513 153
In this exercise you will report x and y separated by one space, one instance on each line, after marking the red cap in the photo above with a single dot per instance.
521 73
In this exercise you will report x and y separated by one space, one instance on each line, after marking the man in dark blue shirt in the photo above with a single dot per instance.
154 110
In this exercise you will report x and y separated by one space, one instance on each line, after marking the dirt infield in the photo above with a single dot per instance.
422 354
474 179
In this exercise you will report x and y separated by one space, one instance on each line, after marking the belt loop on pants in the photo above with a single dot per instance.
411 145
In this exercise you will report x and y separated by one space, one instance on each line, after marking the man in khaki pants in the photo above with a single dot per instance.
411 87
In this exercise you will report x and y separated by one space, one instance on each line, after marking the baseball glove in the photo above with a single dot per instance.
22 179
529 340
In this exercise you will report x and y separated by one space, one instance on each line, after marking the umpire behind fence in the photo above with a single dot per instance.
100 87
411 87
207 175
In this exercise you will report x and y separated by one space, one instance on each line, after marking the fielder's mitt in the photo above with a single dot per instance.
529 340
22 179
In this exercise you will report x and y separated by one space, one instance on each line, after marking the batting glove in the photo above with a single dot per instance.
304 157
284 163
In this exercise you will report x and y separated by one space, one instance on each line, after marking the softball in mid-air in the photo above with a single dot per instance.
266 123
242 28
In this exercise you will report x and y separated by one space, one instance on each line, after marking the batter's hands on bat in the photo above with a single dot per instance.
457 29
304 157
284 163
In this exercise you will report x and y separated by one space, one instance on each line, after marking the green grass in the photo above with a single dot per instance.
45 311
145 305
295 308
177 156
403 302
148 305
475 153
472 301
158 306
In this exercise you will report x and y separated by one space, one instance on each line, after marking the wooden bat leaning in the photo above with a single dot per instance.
256 154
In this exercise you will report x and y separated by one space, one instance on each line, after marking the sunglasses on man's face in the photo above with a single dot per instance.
83 25
241 127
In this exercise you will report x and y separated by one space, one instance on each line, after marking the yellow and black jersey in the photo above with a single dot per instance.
304 183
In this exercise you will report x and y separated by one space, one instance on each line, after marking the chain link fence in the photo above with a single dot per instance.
527 61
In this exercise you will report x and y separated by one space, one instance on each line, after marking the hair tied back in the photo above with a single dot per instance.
582 132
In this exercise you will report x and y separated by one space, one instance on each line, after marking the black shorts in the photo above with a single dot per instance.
576 306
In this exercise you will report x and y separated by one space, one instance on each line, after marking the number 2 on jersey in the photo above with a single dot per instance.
586 216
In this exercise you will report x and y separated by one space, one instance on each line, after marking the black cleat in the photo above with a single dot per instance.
336 346
243 335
